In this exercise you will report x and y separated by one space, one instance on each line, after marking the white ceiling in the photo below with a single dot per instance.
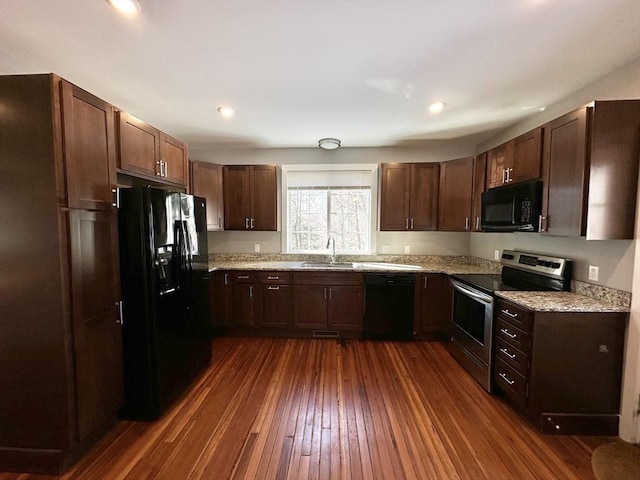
299 70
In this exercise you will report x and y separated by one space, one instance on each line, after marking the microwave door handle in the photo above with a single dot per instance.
513 212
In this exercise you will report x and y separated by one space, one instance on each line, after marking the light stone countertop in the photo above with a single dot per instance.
559 302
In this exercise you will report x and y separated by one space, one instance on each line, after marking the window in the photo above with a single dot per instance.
328 200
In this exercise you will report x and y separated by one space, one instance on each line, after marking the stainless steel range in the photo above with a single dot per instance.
471 340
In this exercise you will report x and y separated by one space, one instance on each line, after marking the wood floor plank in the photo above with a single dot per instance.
325 409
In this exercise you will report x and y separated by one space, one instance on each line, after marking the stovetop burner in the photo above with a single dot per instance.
487 283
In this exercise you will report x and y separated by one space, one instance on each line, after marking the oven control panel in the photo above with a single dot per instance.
555 267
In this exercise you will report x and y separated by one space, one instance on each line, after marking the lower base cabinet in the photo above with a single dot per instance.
432 306
562 370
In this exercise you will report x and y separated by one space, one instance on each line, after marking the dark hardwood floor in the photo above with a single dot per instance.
328 409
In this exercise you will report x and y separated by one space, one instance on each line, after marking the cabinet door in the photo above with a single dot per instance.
89 149
430 312
479 177
264 191
242 305
345 308
456 179
236 197
499 160
174 155
97 335
425 178
527 150
394 196
309 306
206 182
564 174
273 306
139 146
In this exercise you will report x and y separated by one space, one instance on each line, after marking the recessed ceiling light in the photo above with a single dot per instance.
128 7
329 143
226 112
436 107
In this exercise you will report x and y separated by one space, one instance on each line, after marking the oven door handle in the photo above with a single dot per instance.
472 293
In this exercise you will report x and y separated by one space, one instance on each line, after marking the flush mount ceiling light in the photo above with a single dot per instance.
436 107
329 143
127 7
226 112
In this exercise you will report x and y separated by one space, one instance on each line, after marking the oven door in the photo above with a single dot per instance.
473 320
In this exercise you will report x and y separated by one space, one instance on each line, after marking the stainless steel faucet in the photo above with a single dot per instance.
333 250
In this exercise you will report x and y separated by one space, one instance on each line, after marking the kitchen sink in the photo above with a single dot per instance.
382 265
340 265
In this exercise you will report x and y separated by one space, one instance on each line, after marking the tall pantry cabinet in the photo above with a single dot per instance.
60 331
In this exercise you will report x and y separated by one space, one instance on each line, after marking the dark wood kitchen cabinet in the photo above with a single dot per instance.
455 195
517 160
409 196
250 197
273 300
432 306
61 379
206 182
146 152
242 299
590 171
219 302
547 364
479 186
328 303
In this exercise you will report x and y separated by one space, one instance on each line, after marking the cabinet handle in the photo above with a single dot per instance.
506 352
325 293
226 278
504 175
250 291
243 277
477 223
120 314
406 223
116 197
467 223
166 169
411 223
273 277
273 288
509 172
506 332
504 377
425 281
252 223
330 293
555 425
542 223
159 170
246 223
508 313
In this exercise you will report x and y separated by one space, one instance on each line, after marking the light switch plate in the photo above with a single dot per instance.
256 247
496 254
594 272
407 249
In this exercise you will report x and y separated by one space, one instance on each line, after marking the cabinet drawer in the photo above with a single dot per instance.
511 355
518 316
327 278
242 277
510 382
512 335
274 278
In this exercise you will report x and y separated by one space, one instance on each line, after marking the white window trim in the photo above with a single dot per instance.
372 167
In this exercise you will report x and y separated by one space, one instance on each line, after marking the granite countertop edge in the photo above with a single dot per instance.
559 302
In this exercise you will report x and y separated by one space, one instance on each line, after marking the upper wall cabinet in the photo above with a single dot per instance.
250 197
515 161
409 196
206 182
147 152
456 179
590 171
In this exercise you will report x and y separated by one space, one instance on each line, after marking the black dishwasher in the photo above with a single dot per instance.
388 306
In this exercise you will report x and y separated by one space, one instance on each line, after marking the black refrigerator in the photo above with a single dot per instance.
165 287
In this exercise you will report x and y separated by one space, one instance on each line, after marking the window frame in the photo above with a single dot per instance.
286 169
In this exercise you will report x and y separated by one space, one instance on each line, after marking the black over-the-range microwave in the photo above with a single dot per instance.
512 208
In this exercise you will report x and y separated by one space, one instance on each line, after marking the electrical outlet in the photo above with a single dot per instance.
593 273
256 247
496 254
386 249
407 249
